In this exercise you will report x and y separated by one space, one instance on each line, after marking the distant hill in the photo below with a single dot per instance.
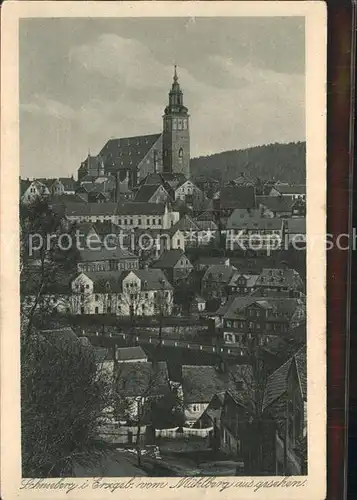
284 162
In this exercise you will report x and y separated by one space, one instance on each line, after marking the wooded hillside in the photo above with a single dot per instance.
284 162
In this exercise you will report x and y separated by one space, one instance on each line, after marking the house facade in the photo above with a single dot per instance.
215 281
175 265
261 319
144 292
294 192
242 283
255 234
34 190
277 281
127 215
102 259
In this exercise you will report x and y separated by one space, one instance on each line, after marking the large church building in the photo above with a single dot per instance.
133 158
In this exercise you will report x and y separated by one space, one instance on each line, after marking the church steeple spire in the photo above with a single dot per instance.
176 134
175 97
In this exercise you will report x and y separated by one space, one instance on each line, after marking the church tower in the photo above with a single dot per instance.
176 133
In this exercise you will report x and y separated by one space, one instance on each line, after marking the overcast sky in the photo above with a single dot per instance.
84 81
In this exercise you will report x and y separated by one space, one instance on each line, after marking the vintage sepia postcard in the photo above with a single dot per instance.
163 237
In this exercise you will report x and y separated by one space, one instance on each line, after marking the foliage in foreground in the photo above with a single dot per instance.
63 396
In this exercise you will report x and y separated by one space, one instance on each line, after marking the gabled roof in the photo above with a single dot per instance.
127 152
183 181
276 203
84 187
235 309
243 180
279 278
103 254
251 279
130 353
174 178
104 278
237 197
201 383
142 379
219 273
279 309
206 225
45 181
207 215
152 179
169 259
277 383
214 409
186 223
60 335
152 279
41 185
146 192
221 311
24 185
241 214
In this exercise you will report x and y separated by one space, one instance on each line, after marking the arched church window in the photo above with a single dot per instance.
174 124
180 154
165 152
179 125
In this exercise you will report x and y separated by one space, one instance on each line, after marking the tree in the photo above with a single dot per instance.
46 261
254 376
138 388
63 396
62 390
162 306
132 301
